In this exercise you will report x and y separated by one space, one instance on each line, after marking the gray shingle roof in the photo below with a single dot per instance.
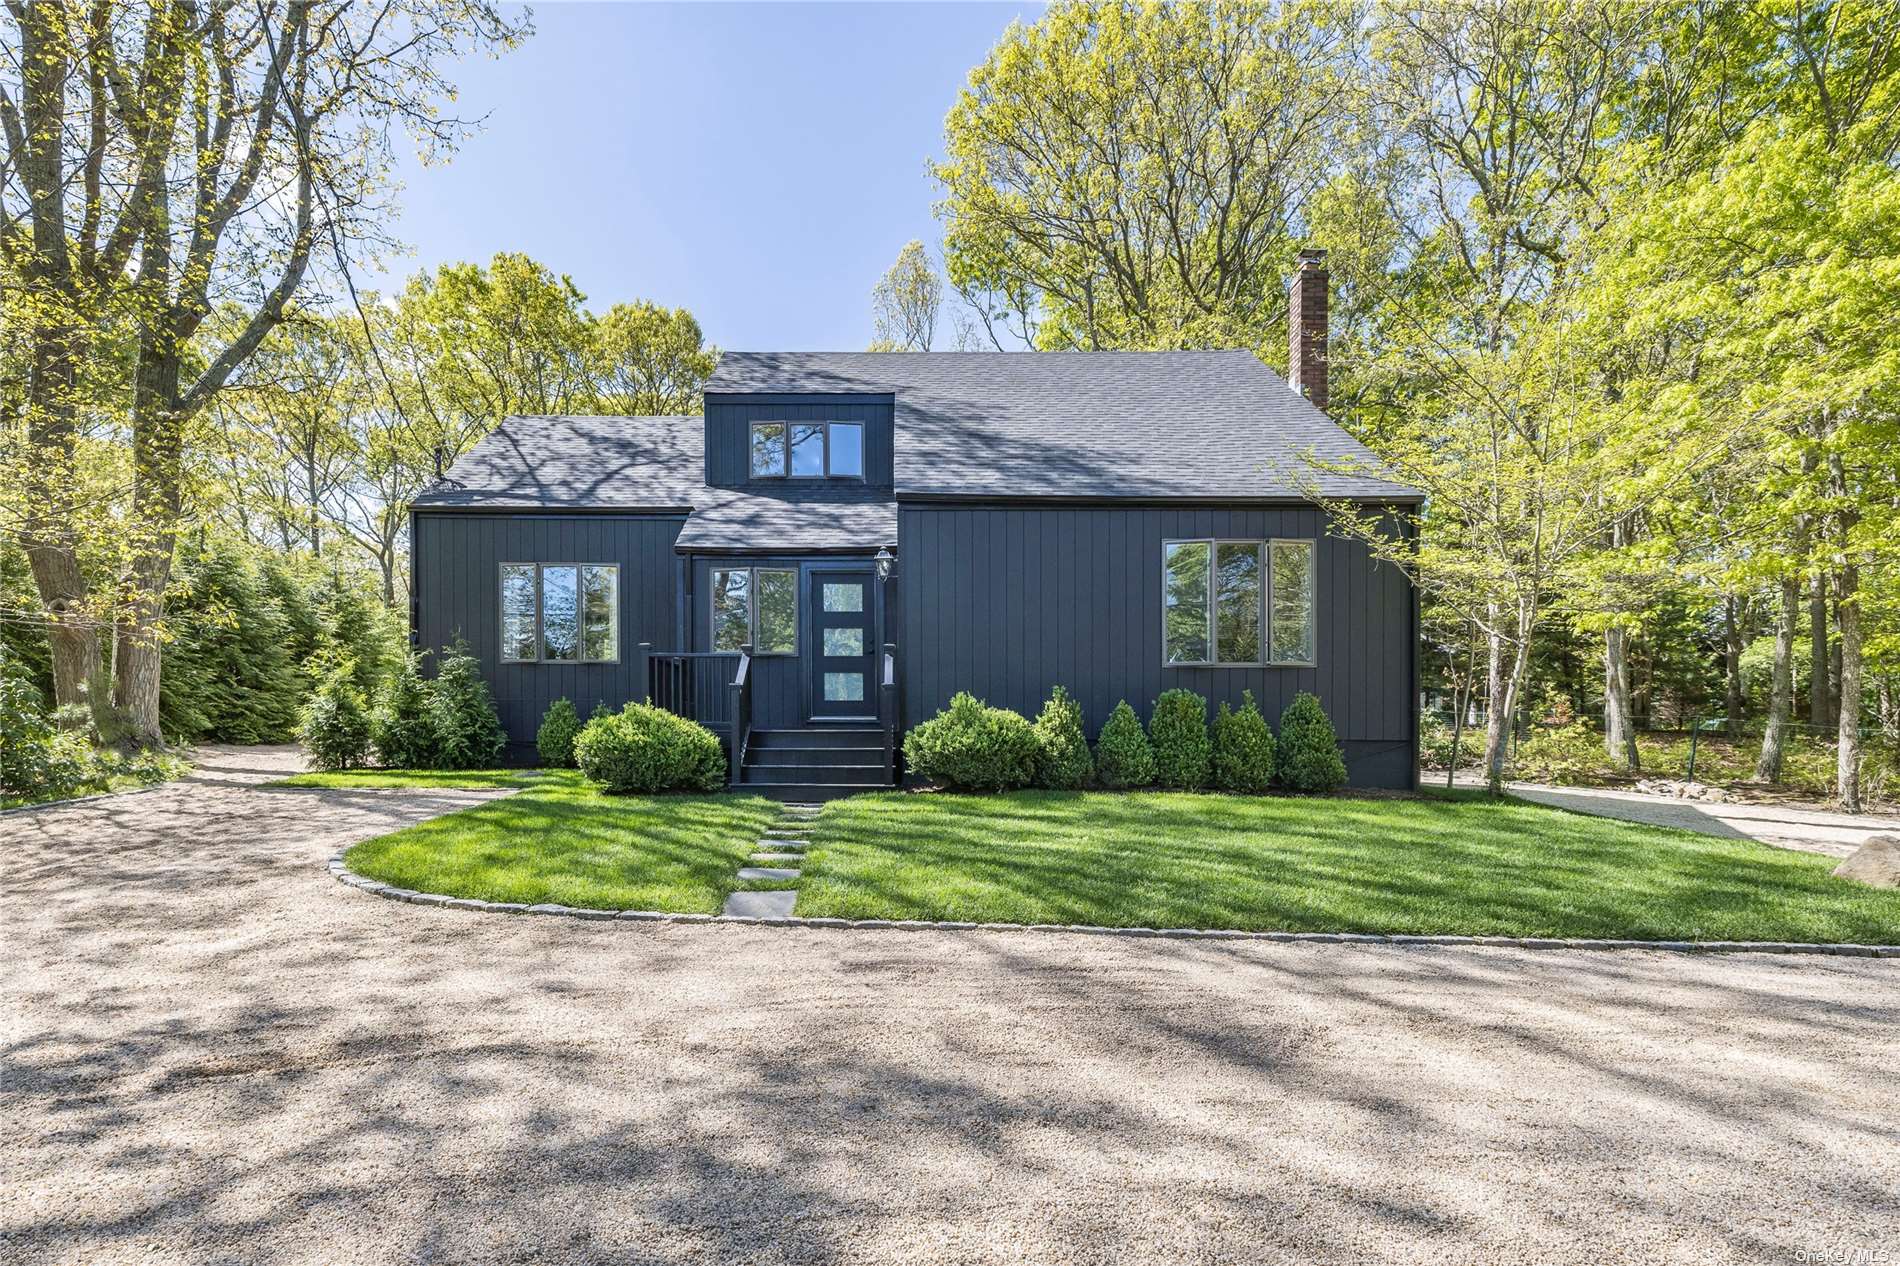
614 463
1084 424
790 520
559 462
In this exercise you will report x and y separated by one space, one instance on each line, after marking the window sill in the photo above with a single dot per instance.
1277 663
565 663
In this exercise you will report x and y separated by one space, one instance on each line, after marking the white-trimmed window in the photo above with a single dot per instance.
807 450
560 613
1237 602
755 606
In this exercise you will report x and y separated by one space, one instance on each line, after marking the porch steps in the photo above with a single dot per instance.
815 763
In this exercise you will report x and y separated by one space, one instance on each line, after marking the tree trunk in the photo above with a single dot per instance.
1774 736
1619 727
1497 709
1502 684
1847 763
1834 662
1818 705
59 345
1847 613
157 446
1732 624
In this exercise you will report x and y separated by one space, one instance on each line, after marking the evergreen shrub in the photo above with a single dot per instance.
1123 755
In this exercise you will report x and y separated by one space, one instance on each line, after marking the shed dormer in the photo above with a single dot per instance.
812 441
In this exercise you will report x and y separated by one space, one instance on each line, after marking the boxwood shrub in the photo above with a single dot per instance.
1062 749
973 747
1123 756
1306 755
1178 730
646 749
1243 748
560 726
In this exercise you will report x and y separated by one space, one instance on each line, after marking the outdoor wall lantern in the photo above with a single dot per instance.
886 563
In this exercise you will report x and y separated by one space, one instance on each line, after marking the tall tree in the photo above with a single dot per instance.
905 302
89 99
653 360
1781 263
292 109
1133 175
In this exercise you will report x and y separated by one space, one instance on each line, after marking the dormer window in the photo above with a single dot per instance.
807 450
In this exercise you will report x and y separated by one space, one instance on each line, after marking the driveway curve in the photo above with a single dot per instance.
210 1051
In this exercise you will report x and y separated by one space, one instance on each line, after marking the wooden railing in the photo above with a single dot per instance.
741 712
693 684
888 688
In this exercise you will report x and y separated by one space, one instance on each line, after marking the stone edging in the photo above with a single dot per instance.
377 888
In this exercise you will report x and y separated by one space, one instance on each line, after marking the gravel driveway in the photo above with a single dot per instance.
1806 828
215 1053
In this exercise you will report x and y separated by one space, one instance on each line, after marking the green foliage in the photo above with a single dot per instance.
37 762
227 673
402 728
1048 214
1178 730
359 627
1563 754
904 302
1306 753
643 748
555 739
24 647
1434 744
1243 748
973 747
1062 747
334 724
651 360
1123 755
468 734
306 637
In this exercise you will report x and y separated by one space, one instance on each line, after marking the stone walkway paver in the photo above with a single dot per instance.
761 905
784 841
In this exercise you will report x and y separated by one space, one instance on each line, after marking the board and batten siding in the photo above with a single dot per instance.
1009 601
458 558
729 422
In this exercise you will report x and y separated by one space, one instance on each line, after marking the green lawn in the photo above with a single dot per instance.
560 840
1456 864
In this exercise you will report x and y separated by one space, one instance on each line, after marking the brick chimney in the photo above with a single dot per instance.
1306 328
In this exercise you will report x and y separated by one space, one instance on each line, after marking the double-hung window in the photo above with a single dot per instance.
755 606
560 613
1237 602
807 450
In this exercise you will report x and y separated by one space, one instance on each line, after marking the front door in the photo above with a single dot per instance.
844 656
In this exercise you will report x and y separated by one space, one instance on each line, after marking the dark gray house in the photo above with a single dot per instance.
845 540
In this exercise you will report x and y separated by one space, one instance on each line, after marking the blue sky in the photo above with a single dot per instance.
759 164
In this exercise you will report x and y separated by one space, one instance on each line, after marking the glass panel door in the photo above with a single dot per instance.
844 653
